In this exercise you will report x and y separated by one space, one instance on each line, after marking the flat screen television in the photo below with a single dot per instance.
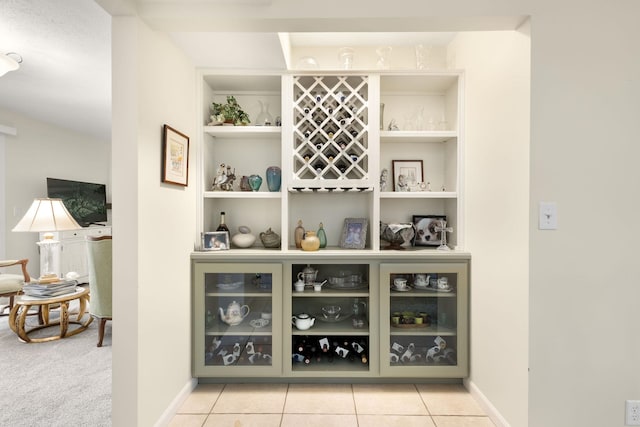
85 201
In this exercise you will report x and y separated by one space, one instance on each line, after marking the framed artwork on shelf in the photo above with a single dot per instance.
215 240
426 234
354 233
406 174
175 157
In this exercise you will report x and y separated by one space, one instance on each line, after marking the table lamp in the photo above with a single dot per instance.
47 215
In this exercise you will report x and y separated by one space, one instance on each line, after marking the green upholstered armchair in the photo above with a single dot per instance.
11 284
100 273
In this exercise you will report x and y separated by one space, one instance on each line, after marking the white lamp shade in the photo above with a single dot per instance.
7 64
47 215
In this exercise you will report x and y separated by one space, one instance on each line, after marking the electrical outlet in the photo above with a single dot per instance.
632 413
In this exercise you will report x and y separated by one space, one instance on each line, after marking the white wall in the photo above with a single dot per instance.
496 128
40 150
584 289
153 85
583 286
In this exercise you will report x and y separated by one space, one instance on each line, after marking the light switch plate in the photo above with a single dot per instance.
548 216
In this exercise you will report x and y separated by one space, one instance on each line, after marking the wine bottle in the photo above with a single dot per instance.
223 225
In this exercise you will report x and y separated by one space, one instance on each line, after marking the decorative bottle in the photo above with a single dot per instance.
222 226
298 234
322 236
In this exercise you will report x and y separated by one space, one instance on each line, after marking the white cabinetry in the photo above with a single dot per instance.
332 146
72 255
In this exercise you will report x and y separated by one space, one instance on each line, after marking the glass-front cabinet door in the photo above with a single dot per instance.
238 321
332 331
424 320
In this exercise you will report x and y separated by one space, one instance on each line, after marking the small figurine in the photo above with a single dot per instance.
393 125
224 178
384 176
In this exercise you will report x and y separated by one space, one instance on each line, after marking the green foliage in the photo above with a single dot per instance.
231 111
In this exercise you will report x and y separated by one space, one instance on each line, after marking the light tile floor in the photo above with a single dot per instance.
328 405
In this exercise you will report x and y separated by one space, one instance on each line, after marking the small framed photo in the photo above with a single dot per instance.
175 157
215 240
407 174
354 233
426 234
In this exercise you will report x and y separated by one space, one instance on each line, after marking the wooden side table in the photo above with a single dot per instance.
24 303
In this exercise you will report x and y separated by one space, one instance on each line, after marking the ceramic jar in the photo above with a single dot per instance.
274 178
270 239
311 242
243 239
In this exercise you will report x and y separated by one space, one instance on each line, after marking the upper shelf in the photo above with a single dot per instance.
417 136
244 131
418 195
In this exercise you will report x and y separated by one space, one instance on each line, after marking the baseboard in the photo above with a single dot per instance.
485 404
173 407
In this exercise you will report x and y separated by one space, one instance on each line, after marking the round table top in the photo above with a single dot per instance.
32 300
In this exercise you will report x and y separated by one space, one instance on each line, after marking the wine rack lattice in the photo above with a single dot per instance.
331 128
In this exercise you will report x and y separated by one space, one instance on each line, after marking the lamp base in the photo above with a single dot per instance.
49 278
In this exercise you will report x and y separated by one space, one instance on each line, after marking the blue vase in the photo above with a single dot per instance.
274 178
255 181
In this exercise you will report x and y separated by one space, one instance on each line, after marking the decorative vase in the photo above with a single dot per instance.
274 178
322 236
255 181
298 234
244 183
264 117
310 242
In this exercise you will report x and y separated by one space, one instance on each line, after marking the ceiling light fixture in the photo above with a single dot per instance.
9 62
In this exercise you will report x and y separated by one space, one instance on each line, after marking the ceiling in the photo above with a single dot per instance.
65 76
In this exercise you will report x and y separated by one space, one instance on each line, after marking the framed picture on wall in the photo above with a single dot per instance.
175 156
426 234
406 174
215 241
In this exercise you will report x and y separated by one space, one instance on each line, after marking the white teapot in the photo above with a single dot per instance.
303 321
235 313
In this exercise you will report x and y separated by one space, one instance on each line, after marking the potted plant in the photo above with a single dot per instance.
231 112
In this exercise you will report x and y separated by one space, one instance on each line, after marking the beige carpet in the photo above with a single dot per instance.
58 383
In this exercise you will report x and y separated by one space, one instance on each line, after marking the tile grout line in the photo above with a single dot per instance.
424 402
284 404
